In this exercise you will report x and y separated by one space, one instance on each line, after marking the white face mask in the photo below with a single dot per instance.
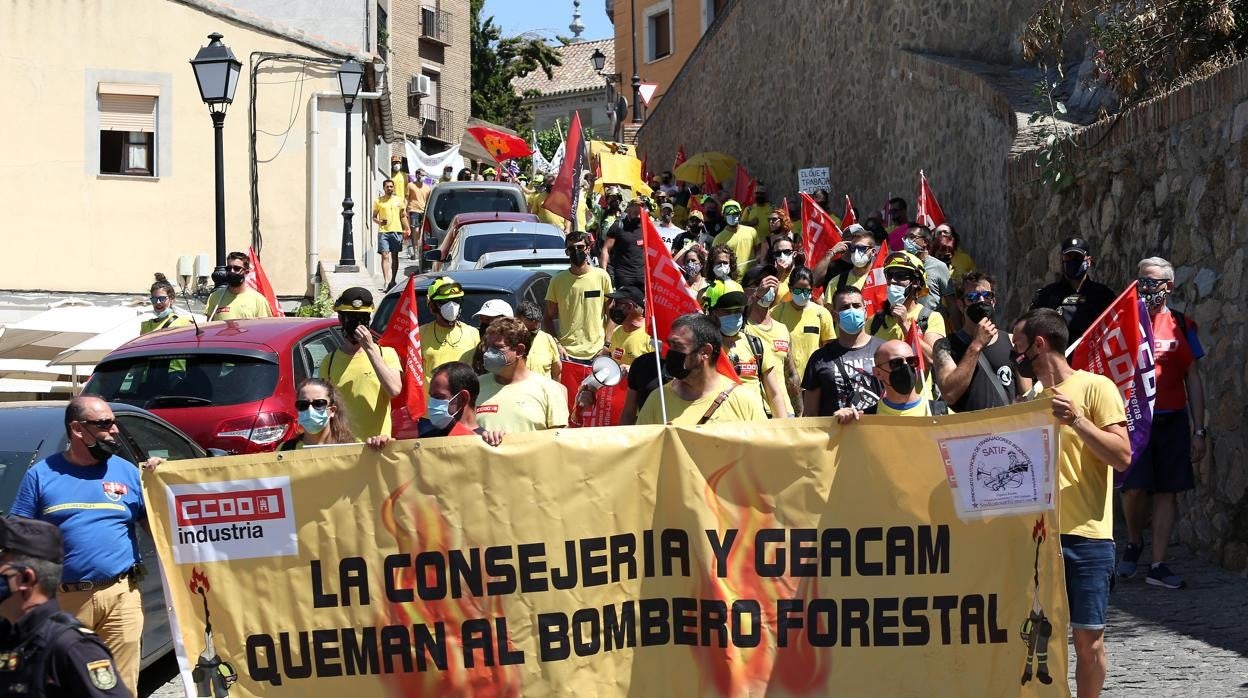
721 271
449 311
896 294
860 259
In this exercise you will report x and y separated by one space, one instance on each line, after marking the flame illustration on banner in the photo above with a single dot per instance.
418 526
212 675
734 497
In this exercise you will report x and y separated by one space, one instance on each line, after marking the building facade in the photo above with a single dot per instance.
113 179
427 49
573 88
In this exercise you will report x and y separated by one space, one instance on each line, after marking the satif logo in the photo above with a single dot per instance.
229 507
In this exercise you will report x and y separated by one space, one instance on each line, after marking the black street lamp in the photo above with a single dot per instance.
636 78
216 73
350 74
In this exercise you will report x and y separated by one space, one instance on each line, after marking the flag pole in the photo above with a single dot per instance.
1104 314
658 362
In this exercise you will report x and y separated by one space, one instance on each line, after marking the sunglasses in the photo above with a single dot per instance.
977 296
159 299
319 403
237 270
911 361
860 248
899 276
101 424
1151 283
784 253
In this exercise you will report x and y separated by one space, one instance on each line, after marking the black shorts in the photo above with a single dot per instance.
1166 463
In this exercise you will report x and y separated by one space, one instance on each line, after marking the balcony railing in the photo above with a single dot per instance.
435 25
437 122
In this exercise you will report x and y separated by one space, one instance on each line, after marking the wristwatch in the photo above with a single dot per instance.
1201 432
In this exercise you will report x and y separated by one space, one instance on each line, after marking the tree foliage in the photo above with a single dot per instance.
496 61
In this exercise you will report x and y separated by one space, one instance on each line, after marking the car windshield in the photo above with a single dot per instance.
184 380
13 465
453 202
469 305
477 245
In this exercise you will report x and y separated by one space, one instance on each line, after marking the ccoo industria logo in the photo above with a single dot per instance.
231 520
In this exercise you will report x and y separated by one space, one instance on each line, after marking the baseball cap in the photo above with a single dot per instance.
495 307
355 300
667 206
628 293
854 229
697 214
1075 244
31 537
445 288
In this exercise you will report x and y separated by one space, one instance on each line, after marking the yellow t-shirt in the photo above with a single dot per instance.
743 404
776 341
580 300
224 304
543 354
1084 507
959 266
742 242
164 323
390 209
627 345
400 185
759 214
418 197
367 406
533 404
442 345
742 357
810 327
921 408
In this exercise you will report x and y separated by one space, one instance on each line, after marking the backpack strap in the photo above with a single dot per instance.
925 313
719 400
877 321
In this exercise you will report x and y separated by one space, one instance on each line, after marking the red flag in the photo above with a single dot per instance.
912 338
259 282
608 400
680 157
645 168
667 296
849 218
567 186
695 204
819 231
502 146
403 335
928 208
709 185
743 187
875 286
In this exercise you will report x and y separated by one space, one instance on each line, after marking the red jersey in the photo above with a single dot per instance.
1175 347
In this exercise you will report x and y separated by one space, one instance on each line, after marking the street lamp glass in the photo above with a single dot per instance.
216 73
349 77
599 59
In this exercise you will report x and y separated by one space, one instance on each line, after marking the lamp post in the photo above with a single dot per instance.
350 74
636 78
599 61
216 74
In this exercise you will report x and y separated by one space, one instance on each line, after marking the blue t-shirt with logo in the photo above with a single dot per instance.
96 508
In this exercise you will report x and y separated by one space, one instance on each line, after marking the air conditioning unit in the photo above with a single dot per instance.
420 86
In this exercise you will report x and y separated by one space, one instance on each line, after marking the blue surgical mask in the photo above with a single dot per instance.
768 297
494 360
729 325
731 218
912 247
313 420
852 320
439 412
163 313
896 294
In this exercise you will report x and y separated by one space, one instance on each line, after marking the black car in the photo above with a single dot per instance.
32 431
480 285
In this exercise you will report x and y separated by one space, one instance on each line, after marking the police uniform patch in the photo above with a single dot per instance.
102 674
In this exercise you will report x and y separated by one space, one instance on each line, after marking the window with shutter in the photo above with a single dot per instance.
127 128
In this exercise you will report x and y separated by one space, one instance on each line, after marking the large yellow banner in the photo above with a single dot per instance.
890 557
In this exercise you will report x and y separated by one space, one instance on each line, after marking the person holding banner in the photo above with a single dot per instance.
1077 297
322 419
725 302
512 398
576 298
897 369
1093 439
841 373
698 393
1178 431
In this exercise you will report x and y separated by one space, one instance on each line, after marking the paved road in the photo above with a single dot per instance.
1162 642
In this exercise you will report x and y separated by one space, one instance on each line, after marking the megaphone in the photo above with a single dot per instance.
603 373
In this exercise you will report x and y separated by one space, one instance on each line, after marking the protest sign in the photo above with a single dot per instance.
813 178
782 558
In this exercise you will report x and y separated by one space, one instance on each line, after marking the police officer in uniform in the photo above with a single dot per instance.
43 650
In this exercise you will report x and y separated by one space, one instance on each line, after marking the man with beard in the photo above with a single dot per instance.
972 366
235 300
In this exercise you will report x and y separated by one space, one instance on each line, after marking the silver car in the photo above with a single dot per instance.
477 239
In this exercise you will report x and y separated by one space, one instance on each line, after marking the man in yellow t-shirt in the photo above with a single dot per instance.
740 238
907 284
756 214
366 375
543 357
576 298
699 394
810 324
1093 440
390 215
447 338
629 339
757 368
513 399
235 300
417 199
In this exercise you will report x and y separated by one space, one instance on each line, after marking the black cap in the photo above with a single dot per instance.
355 299
1075 245
31 537
628 293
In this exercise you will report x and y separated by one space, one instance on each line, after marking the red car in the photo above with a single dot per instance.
230 387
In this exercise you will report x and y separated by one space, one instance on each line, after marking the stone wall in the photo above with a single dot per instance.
1166 179
853 90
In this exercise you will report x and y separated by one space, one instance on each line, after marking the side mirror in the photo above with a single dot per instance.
217 453
433 256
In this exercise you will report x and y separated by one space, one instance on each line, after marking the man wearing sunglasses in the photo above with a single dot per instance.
903 311
972 366
897 368
365 374
577 299
857 249
235 300
95 498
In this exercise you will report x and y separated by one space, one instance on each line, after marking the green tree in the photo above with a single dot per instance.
496 61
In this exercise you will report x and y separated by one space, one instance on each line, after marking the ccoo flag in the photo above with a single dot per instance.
929 212
403 335
819 231
850 217
566 190
259 282
1119 346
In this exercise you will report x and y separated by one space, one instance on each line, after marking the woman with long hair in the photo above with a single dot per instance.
321 418
692 263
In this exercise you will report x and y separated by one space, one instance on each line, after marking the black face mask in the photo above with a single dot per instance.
631 224
578 257
1023 364
1075 269
978 311
617 315
102 450
233 278
349 322
902 379
674 364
